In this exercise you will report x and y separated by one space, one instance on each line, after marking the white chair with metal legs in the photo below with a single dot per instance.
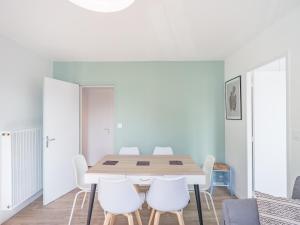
129 151
167 195
205 189
80 168
163 151
119 197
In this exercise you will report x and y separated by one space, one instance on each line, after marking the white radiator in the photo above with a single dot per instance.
21 166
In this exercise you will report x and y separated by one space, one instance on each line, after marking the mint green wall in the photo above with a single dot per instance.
161 103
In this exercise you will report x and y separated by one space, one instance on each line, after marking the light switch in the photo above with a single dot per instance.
120 125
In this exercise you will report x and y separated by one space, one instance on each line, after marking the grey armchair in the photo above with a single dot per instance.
244 211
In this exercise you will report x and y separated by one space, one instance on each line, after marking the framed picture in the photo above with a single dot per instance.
233 99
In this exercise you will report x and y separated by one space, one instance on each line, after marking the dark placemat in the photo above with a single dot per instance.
110 163
143 163
175 163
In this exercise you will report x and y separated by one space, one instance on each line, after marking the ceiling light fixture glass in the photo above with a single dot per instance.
105 6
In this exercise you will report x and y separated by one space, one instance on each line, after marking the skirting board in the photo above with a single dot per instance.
5 215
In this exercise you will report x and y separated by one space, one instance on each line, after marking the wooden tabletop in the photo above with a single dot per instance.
158 165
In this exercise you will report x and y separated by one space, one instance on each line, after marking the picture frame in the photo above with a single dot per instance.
233 98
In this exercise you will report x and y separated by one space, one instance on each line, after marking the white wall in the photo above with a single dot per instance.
21 82
282 38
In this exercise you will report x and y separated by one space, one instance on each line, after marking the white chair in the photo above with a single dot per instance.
118 196
208 169
163 151
80 168
129 151
168 195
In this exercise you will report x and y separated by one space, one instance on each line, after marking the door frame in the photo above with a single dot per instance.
81 87
249 122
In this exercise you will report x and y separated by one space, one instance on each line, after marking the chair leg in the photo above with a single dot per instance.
157 217
73 207
213 205
207 203
151 217
113 219
130 219
83 201
212 189
107 219
180 217
138 217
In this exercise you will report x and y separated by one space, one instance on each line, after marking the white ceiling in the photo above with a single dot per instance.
148 30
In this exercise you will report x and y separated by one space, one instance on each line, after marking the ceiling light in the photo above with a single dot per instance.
103 5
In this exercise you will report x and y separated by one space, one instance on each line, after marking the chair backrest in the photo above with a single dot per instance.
296 191
80 168
168 194
129 151
163 151
208 167
118 196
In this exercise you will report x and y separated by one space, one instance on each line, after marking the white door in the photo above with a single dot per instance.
269 129
97 122
61 137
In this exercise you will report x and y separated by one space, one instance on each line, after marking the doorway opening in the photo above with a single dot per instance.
267 128
97 122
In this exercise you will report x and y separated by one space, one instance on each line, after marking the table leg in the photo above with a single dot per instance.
198 201
91 203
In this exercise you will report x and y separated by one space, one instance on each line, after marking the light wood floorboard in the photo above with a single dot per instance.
58 212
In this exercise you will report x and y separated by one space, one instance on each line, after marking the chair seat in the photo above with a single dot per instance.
168 194
142 198
119 196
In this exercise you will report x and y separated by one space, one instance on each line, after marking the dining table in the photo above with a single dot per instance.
142 169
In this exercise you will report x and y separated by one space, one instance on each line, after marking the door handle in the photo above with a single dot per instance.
48 140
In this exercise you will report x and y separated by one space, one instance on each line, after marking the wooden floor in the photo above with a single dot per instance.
57 213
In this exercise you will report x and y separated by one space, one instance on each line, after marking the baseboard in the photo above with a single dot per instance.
7 214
